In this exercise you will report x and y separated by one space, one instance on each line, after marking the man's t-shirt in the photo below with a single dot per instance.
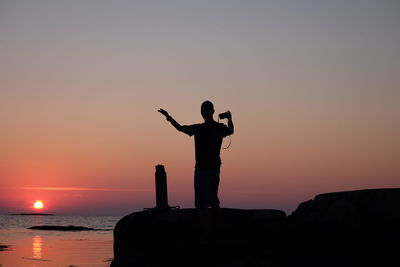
208 140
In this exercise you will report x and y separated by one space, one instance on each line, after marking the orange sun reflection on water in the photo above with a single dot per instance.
37 247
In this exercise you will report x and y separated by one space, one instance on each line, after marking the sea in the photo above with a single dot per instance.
22 247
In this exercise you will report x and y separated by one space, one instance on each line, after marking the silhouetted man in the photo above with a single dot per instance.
208 140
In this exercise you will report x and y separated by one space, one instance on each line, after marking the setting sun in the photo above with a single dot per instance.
38 204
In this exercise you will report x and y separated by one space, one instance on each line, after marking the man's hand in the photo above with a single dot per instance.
165 113
229 115
170 119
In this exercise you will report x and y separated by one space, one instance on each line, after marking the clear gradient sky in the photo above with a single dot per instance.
313 86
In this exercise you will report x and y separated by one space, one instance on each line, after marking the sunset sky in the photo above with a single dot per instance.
313 86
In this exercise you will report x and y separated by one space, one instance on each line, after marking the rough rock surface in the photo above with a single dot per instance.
353 208
350 228
174 237
354 228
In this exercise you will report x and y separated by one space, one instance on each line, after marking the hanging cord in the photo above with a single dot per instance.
230 140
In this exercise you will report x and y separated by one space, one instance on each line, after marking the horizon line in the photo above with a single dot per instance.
99 189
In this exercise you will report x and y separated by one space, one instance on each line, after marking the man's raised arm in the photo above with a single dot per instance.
230 123
171 120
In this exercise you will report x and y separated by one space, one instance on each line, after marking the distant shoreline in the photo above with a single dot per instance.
4 247
65 228
41 214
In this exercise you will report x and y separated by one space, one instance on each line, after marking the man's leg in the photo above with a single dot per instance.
215 208
213 183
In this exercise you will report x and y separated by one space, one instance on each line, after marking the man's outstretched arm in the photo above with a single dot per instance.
171 120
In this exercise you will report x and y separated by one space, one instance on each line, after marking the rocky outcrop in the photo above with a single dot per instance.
354 228
350 228
174 237
352 208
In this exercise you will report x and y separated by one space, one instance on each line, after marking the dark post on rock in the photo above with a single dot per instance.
161 188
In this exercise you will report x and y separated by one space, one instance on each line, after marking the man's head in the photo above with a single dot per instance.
207 109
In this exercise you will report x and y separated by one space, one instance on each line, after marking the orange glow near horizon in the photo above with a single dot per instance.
38 205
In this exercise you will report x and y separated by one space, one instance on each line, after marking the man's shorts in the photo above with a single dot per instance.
206 188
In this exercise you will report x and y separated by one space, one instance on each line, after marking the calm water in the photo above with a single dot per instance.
35 248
